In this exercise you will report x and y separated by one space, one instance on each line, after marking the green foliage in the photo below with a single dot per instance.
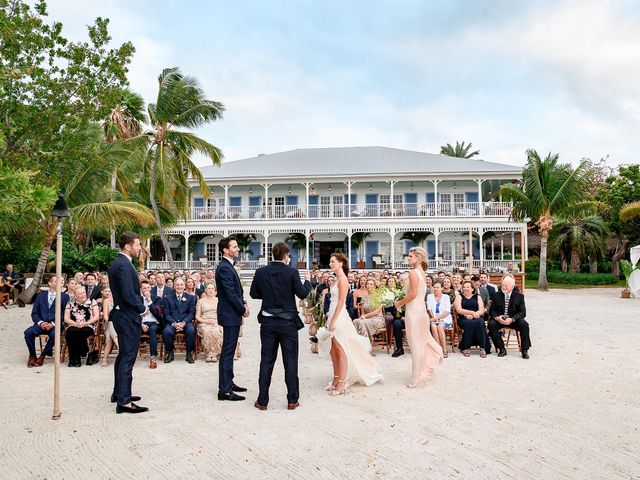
532 266
460 150
621 189
555 276
24 260
626 268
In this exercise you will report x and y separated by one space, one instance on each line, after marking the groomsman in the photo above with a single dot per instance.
231 310
43 315
179 314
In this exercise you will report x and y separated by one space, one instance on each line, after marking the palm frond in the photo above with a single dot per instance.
630 211
97 215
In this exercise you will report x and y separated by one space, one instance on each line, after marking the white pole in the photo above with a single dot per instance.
58 314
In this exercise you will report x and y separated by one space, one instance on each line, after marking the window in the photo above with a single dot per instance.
445 203
211 251
385 207
445 250
276 205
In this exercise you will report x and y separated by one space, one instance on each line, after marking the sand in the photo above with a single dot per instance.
571 411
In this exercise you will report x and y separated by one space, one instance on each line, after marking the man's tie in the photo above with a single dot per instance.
179 298
51 299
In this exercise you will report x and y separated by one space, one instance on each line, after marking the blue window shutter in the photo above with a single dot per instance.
471 196
371 198
410 198
431 197
235 201
408 245
255 201
198 202
431 249
291 200
313 199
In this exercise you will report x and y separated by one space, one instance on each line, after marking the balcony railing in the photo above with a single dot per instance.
369 210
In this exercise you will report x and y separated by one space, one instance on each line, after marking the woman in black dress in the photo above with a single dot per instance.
471 319
81 317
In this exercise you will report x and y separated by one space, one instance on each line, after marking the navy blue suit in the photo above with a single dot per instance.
230 309
41 312
165 291
277 285
127 307
176 312
348 303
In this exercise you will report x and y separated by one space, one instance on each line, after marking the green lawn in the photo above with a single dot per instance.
534 284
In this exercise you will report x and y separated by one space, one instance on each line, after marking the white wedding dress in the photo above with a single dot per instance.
362 367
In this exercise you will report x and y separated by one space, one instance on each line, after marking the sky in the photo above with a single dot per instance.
557 76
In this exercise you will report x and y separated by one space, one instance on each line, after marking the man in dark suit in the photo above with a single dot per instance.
160 289
484 283
127 313
508 311
231 310
92 288
43 315
179 315
277 285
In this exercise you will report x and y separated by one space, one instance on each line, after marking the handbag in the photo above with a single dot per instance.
92 357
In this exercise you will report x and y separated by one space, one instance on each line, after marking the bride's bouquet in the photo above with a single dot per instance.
385 297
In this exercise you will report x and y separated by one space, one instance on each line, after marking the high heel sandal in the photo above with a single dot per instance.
336 392
331 386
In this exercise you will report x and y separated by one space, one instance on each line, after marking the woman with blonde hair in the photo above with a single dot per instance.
207 323
370 318
425 351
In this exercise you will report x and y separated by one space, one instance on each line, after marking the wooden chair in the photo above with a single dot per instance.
381 339
507 340
95 341
4 299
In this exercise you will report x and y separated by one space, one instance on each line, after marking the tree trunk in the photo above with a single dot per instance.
593 265
574 266
32 290
563 261
542 278
112 230
619 254
156 213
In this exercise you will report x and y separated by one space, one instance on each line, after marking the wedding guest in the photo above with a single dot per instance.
331 280
92 288
349 301
12 282
81 317
79 278
179 313
169 283
160 289
484 283
110 335
371 318
152 279
207 323
210 276
360 292
441 275
190 286
508 311
351 278
43 315
470 318
152 321
483 292
439 305
70 288
447 290
456 282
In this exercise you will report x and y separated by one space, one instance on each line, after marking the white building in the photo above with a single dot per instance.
331 196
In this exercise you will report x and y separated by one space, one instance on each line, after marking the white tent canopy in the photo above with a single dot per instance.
634 279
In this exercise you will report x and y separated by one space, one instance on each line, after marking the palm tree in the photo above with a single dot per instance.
630 211
460 150
357 241
416 237
580 237
91 203
549 189
243 240
299 242
180 103
124 122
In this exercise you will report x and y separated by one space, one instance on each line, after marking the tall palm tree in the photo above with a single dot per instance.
548 190
581 237
123 122
460 150
167 151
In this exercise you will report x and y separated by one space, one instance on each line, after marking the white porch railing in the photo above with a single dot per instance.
359 210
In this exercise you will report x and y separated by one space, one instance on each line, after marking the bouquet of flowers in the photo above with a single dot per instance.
385 297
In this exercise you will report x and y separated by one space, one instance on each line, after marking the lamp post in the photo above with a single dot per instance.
60 211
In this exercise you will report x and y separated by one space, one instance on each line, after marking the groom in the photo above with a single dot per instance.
277 285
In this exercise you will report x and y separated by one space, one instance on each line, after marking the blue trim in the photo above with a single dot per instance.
430 197
198 202
371 248
235 201
291 200
255 201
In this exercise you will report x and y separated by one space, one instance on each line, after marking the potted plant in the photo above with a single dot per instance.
357 241
299 242
627 269
244 240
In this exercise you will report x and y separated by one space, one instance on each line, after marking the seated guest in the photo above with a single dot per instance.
439 307
161 289
110 335
360 291
484 283
207 323
447 290
190 286
81 317
508 311
471 319
169 283
12 282
395 320
152 321
43 315
348 302
483 292
152 279
70 288
456 282
371 319
92 288
79 278
179 313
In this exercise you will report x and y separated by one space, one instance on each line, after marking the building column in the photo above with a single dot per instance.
480 205
186 247
436 233
393 207
480 247
513 246
392 256
502 246
435 197
349 233
267 213
307 235
349 185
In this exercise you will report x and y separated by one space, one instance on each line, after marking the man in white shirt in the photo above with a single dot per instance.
151 322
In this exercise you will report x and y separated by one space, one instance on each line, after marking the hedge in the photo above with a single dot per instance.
95 259
566 278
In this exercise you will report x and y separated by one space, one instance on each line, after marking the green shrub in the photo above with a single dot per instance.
557 276
533 265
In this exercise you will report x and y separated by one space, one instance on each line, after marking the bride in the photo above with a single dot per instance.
425 351
349 351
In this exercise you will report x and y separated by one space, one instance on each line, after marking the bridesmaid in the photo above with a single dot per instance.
425 351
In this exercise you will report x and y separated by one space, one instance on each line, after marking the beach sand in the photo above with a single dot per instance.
571 411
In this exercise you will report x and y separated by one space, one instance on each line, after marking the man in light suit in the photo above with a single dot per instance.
43 315
231 310
277 285
179 315
127 313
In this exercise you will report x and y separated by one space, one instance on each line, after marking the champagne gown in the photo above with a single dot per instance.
362 367
426 353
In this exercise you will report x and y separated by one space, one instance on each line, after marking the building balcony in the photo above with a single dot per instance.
367 210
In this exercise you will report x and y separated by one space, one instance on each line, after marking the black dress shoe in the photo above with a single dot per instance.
502 353
525 354
134 398
397 353
132 409
230 396
259 407
168 358
190 357
236 388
